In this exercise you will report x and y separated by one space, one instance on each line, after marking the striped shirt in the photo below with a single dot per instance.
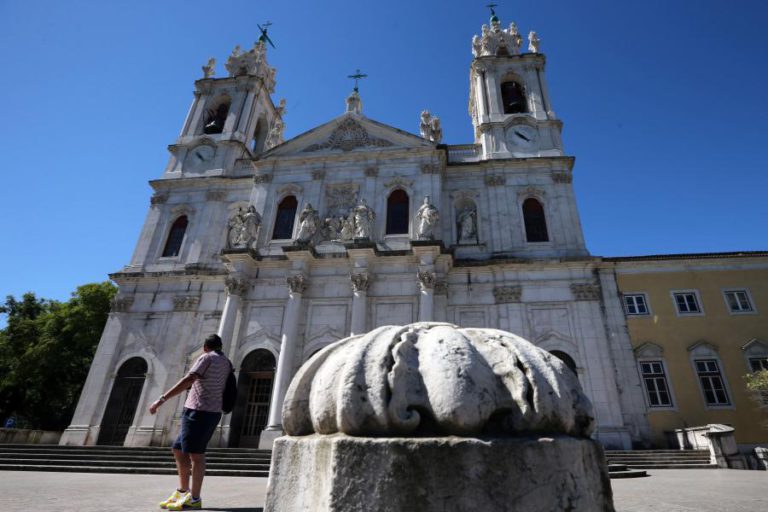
212 370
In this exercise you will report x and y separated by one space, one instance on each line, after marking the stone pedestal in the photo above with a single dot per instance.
343 473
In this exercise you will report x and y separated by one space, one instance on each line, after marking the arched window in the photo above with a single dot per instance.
535 222
397 213
217 116
568 360
286 215
513 98
175 237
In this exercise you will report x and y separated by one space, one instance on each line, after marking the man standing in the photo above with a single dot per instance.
202 411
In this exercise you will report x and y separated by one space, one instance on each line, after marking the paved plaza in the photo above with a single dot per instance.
666 490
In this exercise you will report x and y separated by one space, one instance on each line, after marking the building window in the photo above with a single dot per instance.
712 383
175 237
687 303
513 97
286 215
535 221
738 301
397 213
655 381
635 304
758 364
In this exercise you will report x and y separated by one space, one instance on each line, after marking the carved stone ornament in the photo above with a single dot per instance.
252 62
159 198
562 177
441 287
243 228
495 40
399 181
426 279
360 282
495 181
429 127
209 69
507 294
347 136
531 192
185 302
122 304
297 283
585 291
275 135
235 285
215 195
260 179
396 379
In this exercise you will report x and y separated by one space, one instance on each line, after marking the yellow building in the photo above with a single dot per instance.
698 323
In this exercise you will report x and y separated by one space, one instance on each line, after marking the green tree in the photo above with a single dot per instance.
45 352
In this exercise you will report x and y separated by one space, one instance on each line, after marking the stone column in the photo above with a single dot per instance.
360 284
297 284
236 287
427 297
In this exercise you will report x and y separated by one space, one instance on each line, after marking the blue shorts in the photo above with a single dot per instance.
197 428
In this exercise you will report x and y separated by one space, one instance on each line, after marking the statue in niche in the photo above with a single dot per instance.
209 69
534 43
427 218
331 228
466 222
430 128
308 224
363 217
244 228
214 122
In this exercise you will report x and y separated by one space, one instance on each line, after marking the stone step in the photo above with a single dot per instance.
211 458
127 469
612 452
623 460
673 466
128 463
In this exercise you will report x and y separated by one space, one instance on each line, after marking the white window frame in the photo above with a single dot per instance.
719 370
747 295
697 297
635 294
663 375
171 216
704 351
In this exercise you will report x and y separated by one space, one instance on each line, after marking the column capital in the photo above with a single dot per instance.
235 284
297 283
360 282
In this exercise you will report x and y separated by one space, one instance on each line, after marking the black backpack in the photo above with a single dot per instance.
230 393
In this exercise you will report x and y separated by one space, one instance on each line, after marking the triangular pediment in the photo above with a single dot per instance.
348 132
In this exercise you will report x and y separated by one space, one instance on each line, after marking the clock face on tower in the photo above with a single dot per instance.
199 157
522 136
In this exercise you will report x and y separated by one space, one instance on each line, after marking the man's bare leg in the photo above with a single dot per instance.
198 472
182 468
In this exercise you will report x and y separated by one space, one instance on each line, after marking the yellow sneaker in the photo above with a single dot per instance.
186 503
173 498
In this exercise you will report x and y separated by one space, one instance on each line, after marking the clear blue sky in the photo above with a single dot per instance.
664 104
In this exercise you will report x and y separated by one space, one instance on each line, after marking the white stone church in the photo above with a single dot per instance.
283 247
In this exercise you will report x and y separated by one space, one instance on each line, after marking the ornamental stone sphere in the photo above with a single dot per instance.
436 379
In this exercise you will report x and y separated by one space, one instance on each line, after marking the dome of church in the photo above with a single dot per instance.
432 378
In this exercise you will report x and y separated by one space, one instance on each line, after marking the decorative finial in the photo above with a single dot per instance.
534 43
357 76
209 69
494 18
264 38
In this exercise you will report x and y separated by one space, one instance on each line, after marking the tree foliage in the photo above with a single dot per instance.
757 384
45 352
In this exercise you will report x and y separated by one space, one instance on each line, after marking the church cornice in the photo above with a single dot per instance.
199 182
551 163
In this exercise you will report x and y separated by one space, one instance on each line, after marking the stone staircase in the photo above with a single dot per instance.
624 471
660 459
111 459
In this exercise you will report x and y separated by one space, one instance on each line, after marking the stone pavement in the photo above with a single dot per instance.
671 490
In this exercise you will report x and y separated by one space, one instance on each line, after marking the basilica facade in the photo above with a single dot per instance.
283 247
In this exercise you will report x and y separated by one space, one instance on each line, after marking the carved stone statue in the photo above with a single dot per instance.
209 69
427 218
281 108
354 103
244 228
252 62
466 221
430 128
363 217
347 228
275 136
309 222
495 40
534 43
515 39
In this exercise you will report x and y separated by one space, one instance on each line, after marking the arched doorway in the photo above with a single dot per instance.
123 400
568 360
254 391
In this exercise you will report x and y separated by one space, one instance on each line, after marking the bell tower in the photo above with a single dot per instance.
231 117
508 99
